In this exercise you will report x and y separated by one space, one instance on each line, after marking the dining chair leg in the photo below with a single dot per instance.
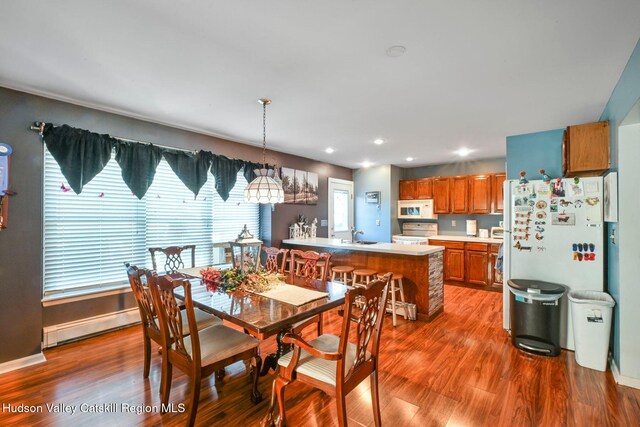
278 389
147 356
342 409
165 382
195 398
256 366
375 398
268 420
393 302
320 318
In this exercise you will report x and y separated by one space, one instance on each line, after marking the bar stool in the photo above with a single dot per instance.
365 275
396 280
342 272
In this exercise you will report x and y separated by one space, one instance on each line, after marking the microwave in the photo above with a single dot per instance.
416 209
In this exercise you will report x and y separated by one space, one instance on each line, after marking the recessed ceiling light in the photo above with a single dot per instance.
409 159
366 164
463 152
379 141
396 51
329 150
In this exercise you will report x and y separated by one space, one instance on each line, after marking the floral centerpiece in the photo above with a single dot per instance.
234 278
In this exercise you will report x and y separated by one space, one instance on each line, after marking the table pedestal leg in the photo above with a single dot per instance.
271 361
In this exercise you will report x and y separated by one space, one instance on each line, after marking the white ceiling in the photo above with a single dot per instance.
474 71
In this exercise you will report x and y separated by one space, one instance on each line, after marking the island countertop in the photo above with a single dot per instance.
387 248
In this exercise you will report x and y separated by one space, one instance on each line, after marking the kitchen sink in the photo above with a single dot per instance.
364 242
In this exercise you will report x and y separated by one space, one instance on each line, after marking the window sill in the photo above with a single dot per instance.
80 295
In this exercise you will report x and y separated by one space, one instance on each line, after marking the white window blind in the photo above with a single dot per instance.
87 237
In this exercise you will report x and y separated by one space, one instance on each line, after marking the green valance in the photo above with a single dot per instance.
82 155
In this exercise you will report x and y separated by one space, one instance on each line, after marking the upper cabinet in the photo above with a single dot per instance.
441 190
459 195
585 150
497 192
480 194
475 194
416 189
424 188
407 189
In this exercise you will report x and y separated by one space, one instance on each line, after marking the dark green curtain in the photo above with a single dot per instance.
138 163
82 154
191 168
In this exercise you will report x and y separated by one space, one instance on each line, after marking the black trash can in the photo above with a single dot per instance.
535 309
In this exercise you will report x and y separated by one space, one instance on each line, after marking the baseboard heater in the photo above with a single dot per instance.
83 328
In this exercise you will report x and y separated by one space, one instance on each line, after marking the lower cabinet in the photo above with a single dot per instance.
471 263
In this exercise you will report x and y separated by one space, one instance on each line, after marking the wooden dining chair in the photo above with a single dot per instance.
173 257
308 269
272 263
200 354
148 317
332 363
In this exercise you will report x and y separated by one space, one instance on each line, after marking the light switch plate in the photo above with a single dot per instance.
324 223
453 223
378 222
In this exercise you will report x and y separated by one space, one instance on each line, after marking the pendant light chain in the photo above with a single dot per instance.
264 134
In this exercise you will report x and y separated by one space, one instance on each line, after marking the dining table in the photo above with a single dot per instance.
263 316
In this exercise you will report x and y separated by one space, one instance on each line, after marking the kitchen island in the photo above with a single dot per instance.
421 266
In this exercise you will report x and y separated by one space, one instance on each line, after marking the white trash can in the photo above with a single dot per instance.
591 313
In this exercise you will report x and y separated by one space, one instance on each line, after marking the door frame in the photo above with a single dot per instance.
331 183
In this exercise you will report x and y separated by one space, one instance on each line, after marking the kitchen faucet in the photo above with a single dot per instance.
354 234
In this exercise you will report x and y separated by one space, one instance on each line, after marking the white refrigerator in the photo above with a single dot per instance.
554 232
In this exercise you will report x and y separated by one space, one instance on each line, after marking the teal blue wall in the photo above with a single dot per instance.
534 151
624 96
373 179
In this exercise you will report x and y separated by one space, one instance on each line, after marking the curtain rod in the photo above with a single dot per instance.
39 127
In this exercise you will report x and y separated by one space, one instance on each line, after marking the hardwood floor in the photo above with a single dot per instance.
458 370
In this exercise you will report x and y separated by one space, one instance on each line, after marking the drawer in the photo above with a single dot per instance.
447 244
482 247
494 248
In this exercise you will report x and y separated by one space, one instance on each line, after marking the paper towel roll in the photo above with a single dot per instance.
472 227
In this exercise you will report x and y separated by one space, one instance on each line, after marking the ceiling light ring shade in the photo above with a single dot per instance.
264 188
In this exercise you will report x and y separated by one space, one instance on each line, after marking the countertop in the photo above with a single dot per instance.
389 248
465 239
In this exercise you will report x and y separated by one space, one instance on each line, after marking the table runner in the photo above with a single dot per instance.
294 295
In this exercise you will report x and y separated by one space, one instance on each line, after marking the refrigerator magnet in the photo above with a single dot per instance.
563 218
557 189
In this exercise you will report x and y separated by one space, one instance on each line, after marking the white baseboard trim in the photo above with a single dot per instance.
23 362
621 379
58 334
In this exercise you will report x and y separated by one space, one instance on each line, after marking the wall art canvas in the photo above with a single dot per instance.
311 190
299 185
288 182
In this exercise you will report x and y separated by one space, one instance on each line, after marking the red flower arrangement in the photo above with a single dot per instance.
211 277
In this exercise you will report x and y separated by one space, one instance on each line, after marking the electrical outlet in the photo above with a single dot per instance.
453 223
324 223
378 222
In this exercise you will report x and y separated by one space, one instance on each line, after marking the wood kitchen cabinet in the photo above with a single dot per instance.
480 194
407 189
459 197
476 258
453 262
497 192
424 189
585 150
441 192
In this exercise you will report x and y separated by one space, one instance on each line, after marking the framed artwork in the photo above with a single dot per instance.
288 183
311 190
611 197
372 197
299 186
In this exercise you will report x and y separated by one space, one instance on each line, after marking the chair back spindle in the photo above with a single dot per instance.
272 263
173 257
143 297
309 268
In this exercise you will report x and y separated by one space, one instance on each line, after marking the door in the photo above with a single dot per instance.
441 195
340 207
454 265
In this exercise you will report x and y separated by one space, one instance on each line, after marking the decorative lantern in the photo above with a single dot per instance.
246 251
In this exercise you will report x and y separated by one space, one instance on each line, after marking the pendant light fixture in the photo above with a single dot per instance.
264 189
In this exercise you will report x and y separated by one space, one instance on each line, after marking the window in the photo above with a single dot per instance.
87 237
